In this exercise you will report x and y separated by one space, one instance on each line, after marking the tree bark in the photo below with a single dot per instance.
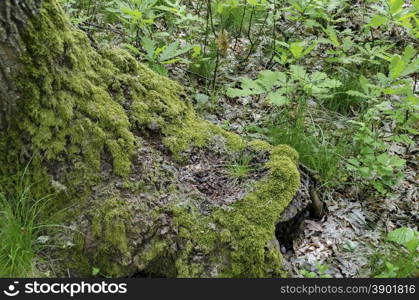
139 179
14 16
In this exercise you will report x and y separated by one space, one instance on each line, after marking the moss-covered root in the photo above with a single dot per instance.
240 241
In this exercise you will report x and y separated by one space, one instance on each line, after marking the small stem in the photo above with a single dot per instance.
214 80
241 27
249 36
211 18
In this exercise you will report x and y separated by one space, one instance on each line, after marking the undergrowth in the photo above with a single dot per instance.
20 228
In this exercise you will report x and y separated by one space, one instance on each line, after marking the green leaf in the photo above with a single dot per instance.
248 87
201 98
331 33
278 99
354 162
169 51
396 6
408 53
397 66
356 94
253 2
296 49
149 46
269 79
365 172
297 6
309 49
95 271
401 235
298 72
383 158
377 21
364 83
133 49
412 245
172 51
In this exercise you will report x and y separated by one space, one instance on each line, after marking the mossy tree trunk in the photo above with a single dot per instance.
14 17
128 160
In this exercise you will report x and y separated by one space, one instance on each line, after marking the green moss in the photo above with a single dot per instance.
286 151
109 221
260 146
244 234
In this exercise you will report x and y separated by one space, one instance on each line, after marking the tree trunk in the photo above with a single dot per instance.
142 183
14 16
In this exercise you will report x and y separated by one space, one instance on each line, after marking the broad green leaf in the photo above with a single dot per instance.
396 6
383 158
278 99
149 46
401 235
248 87
253 86
297 6
172 51
413 67
296 49
364 83
201 98
365 172
412 245
408 53
298 72
377 21
397 66
269 79
330 83
253 2
318 76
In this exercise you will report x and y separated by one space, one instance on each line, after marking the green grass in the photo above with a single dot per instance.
343 103
316 148
240 168
19 229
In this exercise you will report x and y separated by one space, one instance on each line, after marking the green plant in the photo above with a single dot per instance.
20 227
399 256
391 13
315 150
344 103
157 57
137 16
320 272
282 88
240 167
95 271
373 163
